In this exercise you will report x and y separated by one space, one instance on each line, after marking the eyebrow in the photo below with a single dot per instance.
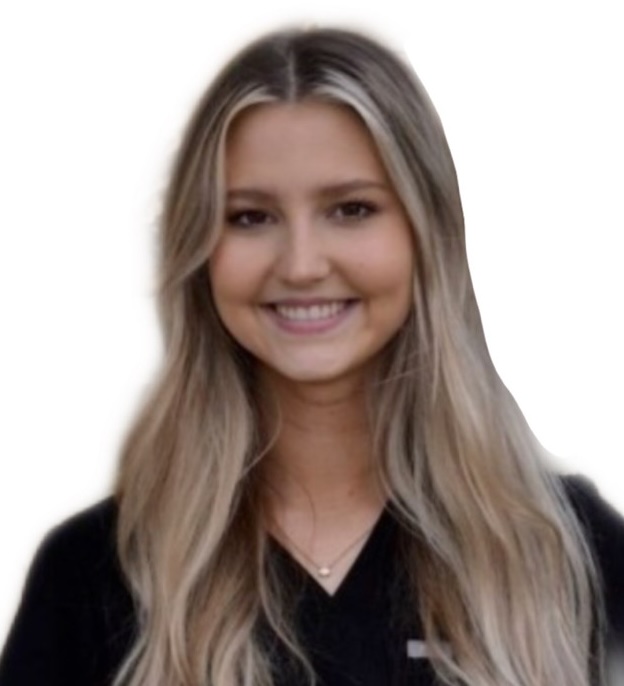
331 190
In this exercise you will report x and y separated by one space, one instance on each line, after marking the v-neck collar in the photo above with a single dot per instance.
355 572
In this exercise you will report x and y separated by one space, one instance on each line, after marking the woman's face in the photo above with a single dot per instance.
312 273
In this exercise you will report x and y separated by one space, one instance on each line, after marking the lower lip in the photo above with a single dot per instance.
308 326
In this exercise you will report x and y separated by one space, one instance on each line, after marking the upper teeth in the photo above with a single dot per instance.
323 311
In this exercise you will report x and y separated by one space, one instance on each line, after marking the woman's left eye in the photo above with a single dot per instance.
355 209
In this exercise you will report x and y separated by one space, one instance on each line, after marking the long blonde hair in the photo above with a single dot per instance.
505 577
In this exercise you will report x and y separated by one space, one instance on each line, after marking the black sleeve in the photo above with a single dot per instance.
48 643
605 529
75 621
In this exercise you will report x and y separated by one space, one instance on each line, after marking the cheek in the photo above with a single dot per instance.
231 293
401 262
388 271
220 283
392 282
234 271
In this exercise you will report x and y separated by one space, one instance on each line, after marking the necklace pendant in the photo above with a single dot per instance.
324 572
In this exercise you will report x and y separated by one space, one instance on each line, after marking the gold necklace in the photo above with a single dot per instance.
323 570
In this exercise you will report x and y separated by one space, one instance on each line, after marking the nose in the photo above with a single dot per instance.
303 256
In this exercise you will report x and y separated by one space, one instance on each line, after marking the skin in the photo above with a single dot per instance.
285 237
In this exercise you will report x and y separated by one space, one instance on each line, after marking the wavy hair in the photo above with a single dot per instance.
505 577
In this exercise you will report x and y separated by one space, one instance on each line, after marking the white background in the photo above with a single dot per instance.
94 95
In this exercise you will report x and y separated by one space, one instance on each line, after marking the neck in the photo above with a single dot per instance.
322 458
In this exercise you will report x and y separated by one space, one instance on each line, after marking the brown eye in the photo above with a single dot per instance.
247 218
355 209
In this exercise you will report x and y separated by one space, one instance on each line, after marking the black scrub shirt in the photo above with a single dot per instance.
76 619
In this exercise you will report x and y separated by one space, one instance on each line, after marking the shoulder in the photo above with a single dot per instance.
604 528
79 546
88 527
88 530
604 524
77 568
76 618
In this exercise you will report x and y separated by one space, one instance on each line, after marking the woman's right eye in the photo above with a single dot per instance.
246 218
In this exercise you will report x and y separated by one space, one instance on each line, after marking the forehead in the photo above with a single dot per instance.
303 142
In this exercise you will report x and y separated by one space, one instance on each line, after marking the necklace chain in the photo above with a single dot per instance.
323 570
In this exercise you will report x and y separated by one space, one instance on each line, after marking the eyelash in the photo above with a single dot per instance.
369 207
234 218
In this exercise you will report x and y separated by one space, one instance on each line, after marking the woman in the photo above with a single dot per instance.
328 478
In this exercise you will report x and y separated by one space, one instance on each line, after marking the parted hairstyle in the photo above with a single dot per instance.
506 588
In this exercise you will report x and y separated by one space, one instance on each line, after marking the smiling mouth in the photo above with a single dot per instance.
311 313
317 312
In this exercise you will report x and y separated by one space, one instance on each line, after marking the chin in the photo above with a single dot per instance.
318 376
